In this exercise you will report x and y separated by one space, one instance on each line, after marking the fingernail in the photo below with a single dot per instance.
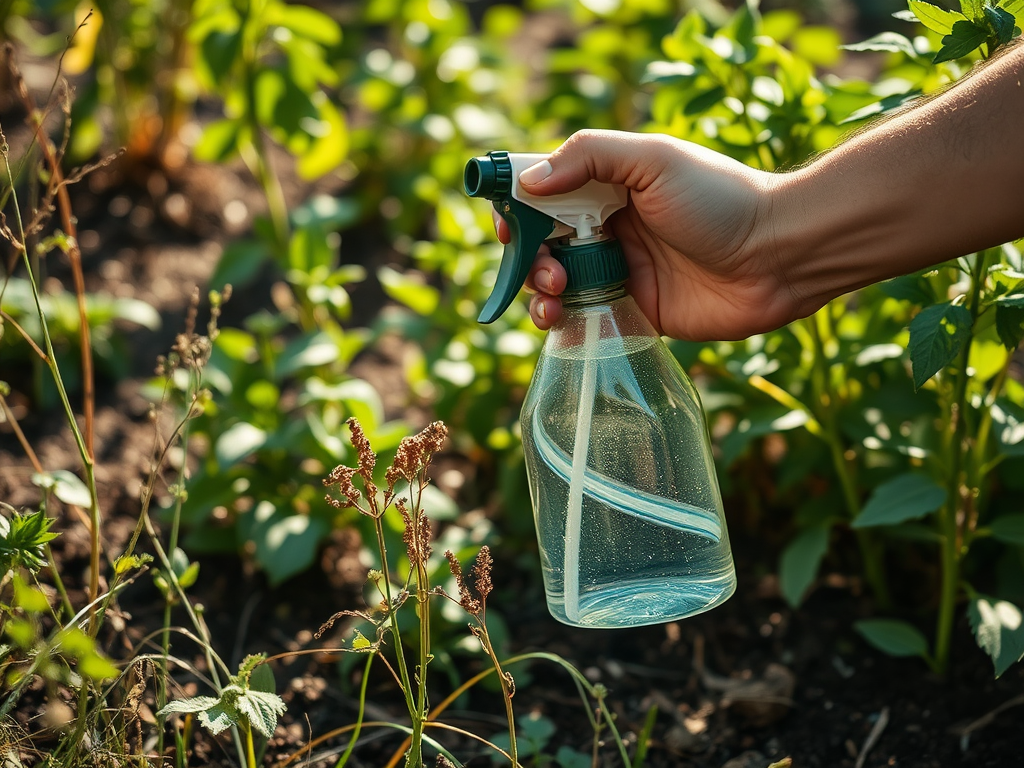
542 311
535 173
544 280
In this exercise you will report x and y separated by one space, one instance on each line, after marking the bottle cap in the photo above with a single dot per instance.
532 219
599 264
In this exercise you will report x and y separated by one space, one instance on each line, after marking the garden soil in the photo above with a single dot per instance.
743 686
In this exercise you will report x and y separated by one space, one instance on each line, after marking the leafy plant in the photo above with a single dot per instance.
248 700
842 377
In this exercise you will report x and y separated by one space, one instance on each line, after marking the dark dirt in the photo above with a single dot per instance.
742 686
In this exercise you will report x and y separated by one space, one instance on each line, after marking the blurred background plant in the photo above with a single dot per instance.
881 436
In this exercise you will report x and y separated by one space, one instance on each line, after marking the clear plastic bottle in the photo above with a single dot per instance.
626 502
625 498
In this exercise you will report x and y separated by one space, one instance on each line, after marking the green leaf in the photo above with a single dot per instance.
1008 529
327 211
67 487
704 101
964 38
138 312
307 351
126 563
29 598
359 641
218 142
936 335
894 637
800 562
220 50
537 729
261 709
285 544
239 264
880 107
237 442
972 9
886 41
305 22
664 72
221 716
188 578
1002 23
330 146
1010 319
999 630
187 706
818 44
907 497
405 289
567 757
95 666
935 18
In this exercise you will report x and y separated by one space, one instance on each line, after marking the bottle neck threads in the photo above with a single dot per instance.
595 271
588 297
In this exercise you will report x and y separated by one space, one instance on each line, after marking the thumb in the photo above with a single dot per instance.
612 157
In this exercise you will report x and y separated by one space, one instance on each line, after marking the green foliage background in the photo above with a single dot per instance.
887 423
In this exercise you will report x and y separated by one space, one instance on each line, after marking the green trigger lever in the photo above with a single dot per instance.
490 177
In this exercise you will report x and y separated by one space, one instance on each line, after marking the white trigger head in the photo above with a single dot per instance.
578 213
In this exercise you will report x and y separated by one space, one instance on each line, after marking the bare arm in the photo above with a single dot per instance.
718 250
941 180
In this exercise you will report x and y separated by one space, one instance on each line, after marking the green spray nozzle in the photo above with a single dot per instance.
532 219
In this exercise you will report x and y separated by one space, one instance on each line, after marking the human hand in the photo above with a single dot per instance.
695 234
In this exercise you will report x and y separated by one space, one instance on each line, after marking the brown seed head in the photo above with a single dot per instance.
469 603
341 478
414 452
367 458
482 573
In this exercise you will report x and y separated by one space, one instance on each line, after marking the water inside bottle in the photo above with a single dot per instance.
652 545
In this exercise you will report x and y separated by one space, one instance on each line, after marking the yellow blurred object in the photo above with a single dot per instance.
88 23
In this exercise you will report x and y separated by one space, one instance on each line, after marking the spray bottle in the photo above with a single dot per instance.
626 503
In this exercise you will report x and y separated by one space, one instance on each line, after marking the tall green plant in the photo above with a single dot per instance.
842 377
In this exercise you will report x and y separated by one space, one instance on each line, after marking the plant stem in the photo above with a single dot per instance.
250 748
84 450
423 606
403 670
949 527
259 160
874 570
359 718
506 692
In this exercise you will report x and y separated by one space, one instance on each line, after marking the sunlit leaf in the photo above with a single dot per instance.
97 667
965 37
935 18
417 296
885 41
218 142
999 630
237 442
704 101
306 22
330 146
936 335
306 351
69 488
287 544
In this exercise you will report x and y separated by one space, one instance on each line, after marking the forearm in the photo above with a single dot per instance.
941 180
